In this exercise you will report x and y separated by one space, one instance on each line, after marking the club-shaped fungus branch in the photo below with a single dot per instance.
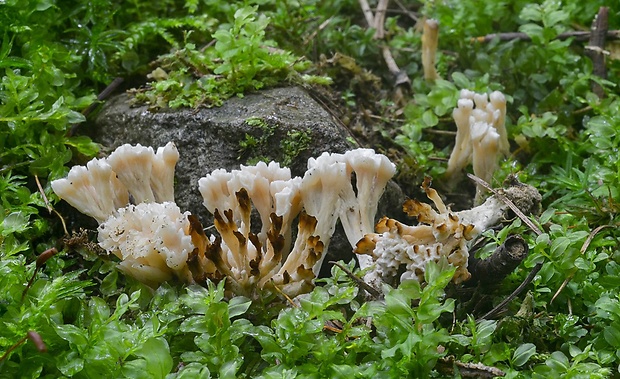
322 185
401 252
360 195
430 40
481 137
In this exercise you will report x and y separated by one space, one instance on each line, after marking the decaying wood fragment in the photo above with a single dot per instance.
500 264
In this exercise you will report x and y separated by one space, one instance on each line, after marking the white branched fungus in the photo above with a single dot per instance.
149 177
257 261
322 185
401 252
152 238
156 241
358 205
396 247
481 137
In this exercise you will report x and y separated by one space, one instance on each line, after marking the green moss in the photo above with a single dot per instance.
295 142
259 146
241 60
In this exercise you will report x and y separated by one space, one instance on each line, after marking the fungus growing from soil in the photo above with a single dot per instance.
481 137
400 252
151 236
430 40
325 193
252 260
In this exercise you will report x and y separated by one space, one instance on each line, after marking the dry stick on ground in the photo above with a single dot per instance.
370 17
377 21
577 35
596 48
406 11
448 365
532 226
362 284
380 19
500 264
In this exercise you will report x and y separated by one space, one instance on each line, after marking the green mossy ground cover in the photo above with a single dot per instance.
56 56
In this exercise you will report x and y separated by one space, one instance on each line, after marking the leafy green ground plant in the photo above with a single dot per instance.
79 317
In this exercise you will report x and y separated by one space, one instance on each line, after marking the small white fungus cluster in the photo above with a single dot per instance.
151 237
481 137
324 194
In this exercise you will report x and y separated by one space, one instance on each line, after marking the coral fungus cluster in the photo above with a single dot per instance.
131 195
481 137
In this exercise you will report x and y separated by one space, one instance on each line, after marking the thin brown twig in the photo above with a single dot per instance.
377 21
514 293
531 225
102 96
317 31
362 284
506 201
406 11
62 220
285 295
581 36
47 203
31 335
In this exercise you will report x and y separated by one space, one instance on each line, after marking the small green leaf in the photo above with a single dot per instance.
429 118
523 353
238 305
15 222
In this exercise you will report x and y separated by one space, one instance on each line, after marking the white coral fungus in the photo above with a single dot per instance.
396 247
481 137
325 193
152 237
131 195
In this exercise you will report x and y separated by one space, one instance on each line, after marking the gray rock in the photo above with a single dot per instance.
274 123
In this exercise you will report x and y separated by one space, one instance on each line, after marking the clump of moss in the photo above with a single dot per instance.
257 147
239 59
